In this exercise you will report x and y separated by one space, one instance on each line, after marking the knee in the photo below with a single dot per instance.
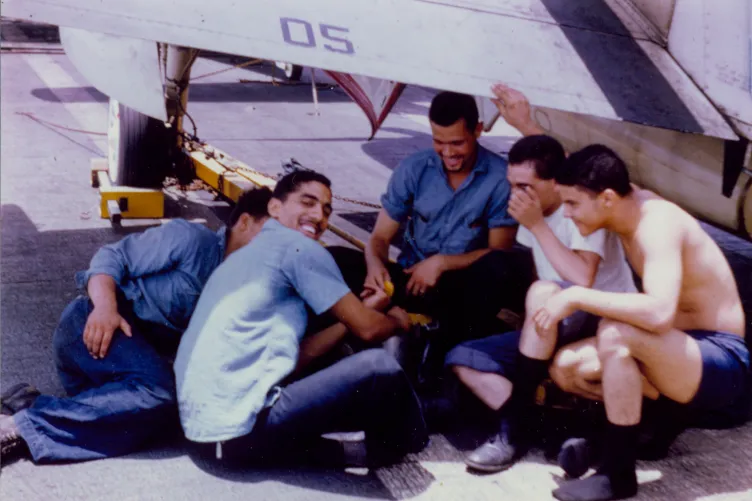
613 338
563 370
539 293
563 378
70 328
464 374
379 363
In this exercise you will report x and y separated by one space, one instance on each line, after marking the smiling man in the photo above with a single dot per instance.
683 334
244 341
452 200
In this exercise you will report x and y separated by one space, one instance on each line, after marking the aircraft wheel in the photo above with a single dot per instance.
139 148
293 72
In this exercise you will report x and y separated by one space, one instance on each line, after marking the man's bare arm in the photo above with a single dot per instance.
377 249
498 239
655 309
576 266
514 108
366 323
104 319
102 291
323 341
320 343
502 238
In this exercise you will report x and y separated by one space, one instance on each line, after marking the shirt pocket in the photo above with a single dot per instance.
468 235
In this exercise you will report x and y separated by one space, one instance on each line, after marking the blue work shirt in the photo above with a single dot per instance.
244 337
162 270
439 219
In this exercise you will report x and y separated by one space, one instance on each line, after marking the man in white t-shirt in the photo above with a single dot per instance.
505 370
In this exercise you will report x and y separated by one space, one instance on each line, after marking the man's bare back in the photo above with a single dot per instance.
708 297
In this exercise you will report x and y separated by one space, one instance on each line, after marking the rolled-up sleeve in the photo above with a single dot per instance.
152 251
400 192
498 213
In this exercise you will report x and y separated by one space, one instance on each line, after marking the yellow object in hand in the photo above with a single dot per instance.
415 318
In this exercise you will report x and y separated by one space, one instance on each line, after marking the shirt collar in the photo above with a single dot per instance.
481 162
480 167
272 223
222 235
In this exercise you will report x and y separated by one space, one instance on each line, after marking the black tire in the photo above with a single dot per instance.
145 146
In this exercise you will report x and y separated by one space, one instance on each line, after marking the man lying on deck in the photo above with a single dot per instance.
113 347
244 340
684 334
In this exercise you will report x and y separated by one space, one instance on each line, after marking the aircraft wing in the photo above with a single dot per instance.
594 57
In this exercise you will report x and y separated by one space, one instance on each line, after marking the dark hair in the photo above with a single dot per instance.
447 108
595 168
544 152
291 182
253 202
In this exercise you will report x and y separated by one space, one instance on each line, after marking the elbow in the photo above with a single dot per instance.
378 331
585 280
662 320
503 245
369 333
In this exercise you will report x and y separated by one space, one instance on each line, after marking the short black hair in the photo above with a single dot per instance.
447 108
595 168
253 202
291 182
544 152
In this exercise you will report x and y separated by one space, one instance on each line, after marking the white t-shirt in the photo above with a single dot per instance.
614 274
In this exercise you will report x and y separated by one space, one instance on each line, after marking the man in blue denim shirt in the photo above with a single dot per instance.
246 338
456 261
113 347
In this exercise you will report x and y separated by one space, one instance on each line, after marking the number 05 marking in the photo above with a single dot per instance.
307 38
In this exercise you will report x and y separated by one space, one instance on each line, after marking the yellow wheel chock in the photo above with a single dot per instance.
118 202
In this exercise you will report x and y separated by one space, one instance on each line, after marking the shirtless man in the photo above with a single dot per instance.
684 333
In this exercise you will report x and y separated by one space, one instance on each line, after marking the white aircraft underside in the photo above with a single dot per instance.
678 65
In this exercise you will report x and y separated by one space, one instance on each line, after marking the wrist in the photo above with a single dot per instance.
375 264
537 227
574 296
392 312
530 128
104 303
443 261
398 317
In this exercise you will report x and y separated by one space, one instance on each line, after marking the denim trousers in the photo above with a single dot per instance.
367 391
115 405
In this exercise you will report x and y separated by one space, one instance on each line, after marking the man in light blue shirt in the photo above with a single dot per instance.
245 337
113 346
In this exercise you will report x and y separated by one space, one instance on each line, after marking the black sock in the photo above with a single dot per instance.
518 411
616 478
